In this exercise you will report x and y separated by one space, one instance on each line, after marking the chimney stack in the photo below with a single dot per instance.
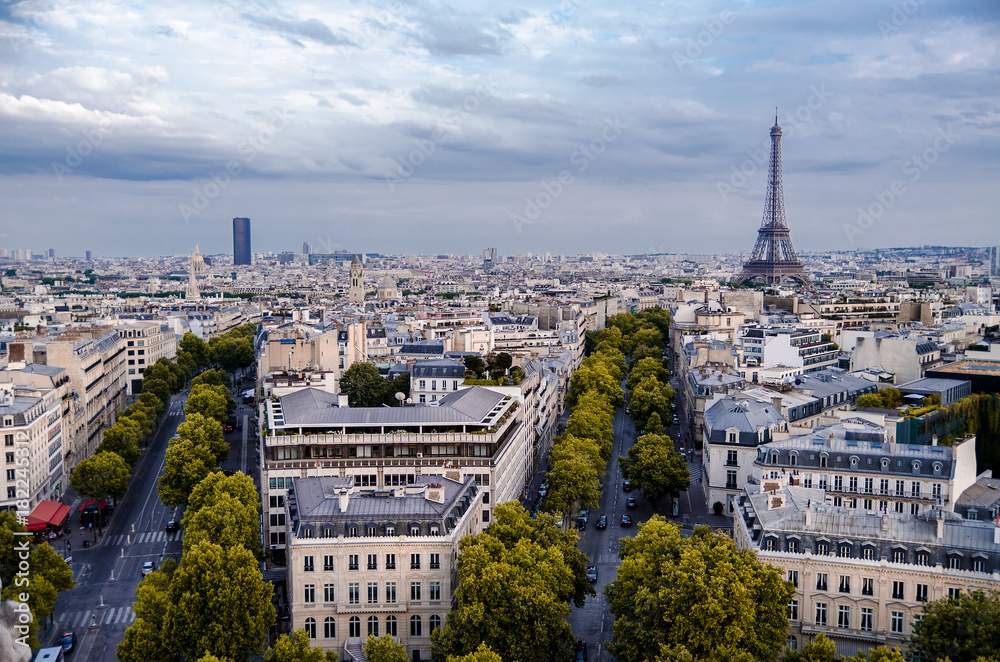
809 514
940 524
776 401
345 496
885 522
342 400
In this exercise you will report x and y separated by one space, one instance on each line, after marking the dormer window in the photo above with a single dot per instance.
916 467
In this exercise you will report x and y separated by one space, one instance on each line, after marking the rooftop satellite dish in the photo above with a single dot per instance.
400 396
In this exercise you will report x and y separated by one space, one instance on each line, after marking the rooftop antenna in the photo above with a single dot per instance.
775 114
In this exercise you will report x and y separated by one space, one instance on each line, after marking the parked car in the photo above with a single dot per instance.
630 502
172 526
626 520
67 641
148 567
602 522
543 490
592 574
627 485
581 651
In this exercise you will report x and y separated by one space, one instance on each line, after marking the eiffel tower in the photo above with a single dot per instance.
773 259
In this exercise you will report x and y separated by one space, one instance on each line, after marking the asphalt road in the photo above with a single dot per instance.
593 622
99 608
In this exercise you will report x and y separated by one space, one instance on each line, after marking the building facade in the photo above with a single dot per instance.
474 432
734 428
31 427
862 577
375 561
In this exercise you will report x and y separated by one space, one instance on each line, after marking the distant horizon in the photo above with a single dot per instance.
534 254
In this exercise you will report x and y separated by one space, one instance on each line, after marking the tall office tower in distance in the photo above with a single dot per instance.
994 261
306 248
241 241
90 256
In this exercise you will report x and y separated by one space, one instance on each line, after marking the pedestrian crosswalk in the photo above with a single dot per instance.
88 617
141 537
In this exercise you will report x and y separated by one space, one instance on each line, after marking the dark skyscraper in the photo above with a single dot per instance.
241 241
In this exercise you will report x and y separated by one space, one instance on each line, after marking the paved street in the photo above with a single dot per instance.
107 573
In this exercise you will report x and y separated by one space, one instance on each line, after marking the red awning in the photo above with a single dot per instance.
47 513
100 504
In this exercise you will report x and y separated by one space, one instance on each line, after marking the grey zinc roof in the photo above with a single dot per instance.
312 407
39 369
746 415
832 523
317 500
439 368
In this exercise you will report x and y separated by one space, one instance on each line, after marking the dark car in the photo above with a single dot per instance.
627 485
592 574
230 424
630 502
626 520
67 641
602 522
172 526
581 651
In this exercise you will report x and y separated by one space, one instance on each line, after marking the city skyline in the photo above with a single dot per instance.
555 128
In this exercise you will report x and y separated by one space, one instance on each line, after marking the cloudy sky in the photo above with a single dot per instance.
142 128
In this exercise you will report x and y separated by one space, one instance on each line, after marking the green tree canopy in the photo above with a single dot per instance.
698 593
163 370
232 353
573 483
145 418
219 604
101 475
152 403
655 467
47 575
508 598
482 654
596 377
653 424
123 439
820 649
589 421
210 401
297 647
363 385
960 629
207 432
197 348
644 368
186 464
512 523
217 484
384 649
227 522
475 363
158 387
212 377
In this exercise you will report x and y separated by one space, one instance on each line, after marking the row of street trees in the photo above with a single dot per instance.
652 463
31 575
516 582
107 471
199 446
214 604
